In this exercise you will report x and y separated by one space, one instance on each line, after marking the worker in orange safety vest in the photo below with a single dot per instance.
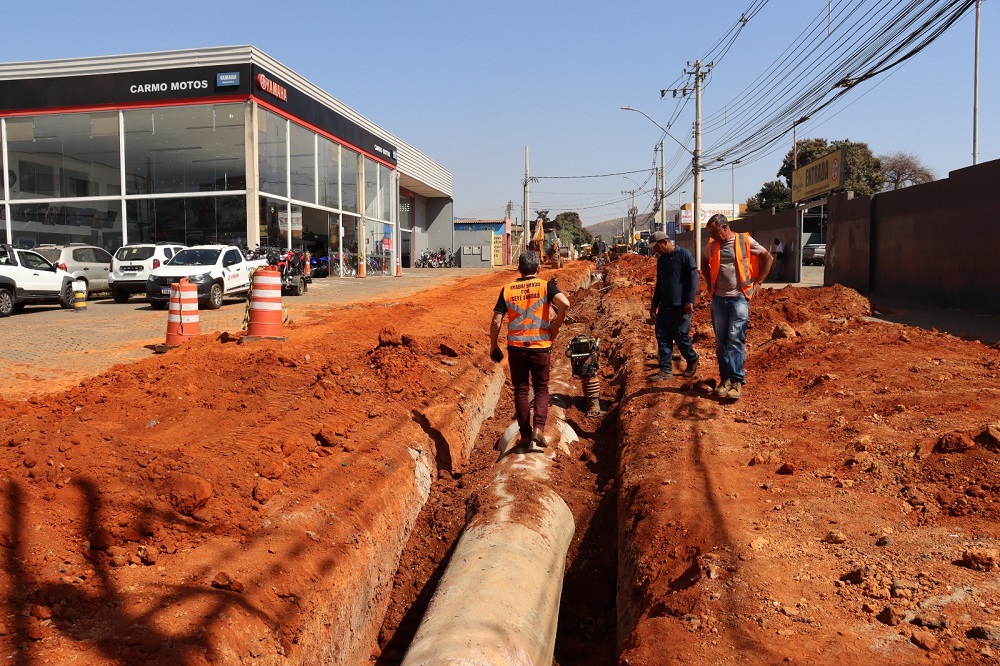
528 303
736 265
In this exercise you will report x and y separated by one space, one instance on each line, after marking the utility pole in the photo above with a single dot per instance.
527 199
663 193
699 76
975 93
631 213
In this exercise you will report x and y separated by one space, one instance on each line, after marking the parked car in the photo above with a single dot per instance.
87 263
217 270
27 277
814 254
132 265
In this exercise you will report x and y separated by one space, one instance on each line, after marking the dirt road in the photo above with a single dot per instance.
212 505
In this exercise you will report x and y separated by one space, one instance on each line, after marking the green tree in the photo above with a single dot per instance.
773 194
862 171
571 230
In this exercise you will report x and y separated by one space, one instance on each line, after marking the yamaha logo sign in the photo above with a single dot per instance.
272 88
226 79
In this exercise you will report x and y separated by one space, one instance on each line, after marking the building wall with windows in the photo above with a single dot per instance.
204 146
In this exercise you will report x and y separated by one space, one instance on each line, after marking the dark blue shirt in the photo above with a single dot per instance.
676 279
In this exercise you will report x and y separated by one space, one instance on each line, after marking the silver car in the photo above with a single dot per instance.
86 263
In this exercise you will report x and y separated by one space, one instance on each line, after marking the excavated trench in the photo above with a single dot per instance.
582 464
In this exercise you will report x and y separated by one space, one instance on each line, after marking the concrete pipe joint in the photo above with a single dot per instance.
498 601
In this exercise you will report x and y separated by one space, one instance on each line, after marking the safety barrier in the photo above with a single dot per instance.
182 315
79 296
265 314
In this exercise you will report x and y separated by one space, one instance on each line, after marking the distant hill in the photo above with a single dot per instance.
610 228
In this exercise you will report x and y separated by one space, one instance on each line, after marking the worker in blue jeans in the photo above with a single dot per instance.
735 266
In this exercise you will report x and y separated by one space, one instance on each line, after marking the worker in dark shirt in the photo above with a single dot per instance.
673 305
535 310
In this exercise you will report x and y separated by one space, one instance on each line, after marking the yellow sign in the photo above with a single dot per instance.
497 250
822 175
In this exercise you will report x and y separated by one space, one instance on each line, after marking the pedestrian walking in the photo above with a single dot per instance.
529 304
736 264
778 252
673 305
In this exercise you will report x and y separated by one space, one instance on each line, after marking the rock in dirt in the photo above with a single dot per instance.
388 337
981 559
265 490
782 330
224 581
835 537
189 493
924 640
987 632
890 616
101 539
954 442
787 468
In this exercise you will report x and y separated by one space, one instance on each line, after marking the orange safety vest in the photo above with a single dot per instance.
528 313
746 263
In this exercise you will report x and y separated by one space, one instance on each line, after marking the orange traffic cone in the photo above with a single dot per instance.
182 315
264 311
399 267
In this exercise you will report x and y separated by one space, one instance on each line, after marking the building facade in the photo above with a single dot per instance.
218 145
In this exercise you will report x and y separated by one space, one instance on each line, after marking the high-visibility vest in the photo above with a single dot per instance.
528 313
746 263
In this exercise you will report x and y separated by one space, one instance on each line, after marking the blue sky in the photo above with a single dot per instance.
472 84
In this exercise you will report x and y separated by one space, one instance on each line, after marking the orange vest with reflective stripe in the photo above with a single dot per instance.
746 263
527 313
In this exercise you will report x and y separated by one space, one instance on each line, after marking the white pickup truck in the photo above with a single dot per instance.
27 277
219 271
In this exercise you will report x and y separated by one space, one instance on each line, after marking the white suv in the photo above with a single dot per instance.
132 264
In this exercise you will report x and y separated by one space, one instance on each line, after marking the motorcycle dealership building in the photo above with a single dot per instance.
217 145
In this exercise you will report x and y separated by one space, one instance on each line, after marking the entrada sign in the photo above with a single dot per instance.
821 176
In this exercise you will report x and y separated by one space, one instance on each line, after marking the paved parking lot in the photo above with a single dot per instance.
48 343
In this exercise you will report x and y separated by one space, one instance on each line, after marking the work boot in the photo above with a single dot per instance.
735 391
538 439
723 389
661 376
692 367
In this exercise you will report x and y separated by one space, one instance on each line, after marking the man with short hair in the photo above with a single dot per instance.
734 267
673 305
528 303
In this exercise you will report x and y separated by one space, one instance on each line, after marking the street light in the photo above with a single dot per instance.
695 168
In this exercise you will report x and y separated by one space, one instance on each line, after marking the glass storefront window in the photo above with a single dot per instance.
303 162
349 180
371 188
64 155
273 223
349 244
188 220
272 152
329 173
91 222
384 192
185 149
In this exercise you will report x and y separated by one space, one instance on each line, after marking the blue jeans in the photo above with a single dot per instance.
673 325
730 315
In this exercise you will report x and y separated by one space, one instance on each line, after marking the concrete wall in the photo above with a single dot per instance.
848 246
439 225
473 249
936 243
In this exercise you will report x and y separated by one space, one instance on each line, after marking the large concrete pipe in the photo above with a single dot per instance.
498 601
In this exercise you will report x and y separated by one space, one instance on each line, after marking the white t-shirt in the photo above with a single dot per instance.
726 283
